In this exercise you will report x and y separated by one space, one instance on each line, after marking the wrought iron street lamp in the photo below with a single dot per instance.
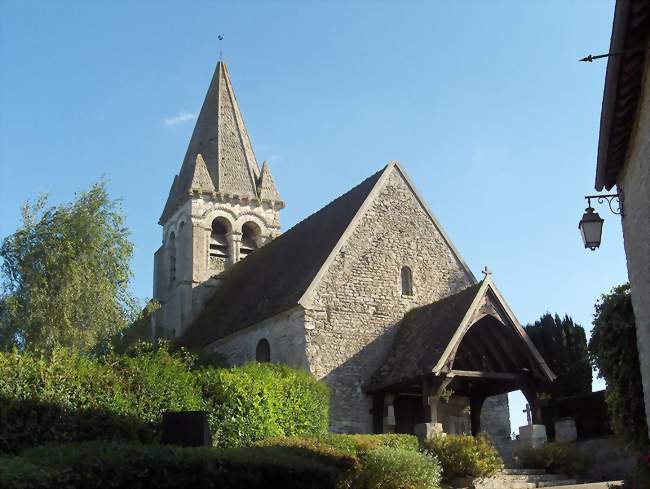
591 224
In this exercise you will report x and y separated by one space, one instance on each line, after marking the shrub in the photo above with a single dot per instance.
257 401
72 397
613 350
397 468
465 456
133 466
556 457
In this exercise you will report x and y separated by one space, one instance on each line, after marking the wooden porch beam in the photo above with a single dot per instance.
475 374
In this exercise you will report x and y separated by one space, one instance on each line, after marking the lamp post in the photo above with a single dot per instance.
591 224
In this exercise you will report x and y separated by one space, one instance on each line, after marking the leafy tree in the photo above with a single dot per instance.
65 274
563 345
614 353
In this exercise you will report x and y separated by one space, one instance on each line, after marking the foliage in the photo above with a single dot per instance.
465 456
68 396
556 457
382 461
563 345
257 401
331 443
65 274
614 353
397 468
137 332
640 477
72 397
116 466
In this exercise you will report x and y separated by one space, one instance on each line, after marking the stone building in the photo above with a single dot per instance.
624 157
369 293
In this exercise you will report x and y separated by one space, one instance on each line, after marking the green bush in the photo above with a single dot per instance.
257 401
397 468
465 456
132 466
71 397
387 461
556 457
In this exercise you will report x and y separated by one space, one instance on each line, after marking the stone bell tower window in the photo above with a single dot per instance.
407 281
218 238
250 238
263 351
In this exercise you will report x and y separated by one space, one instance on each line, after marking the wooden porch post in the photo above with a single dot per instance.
535 405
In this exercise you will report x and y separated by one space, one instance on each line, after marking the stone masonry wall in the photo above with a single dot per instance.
495 421
285 334
355 309
635 183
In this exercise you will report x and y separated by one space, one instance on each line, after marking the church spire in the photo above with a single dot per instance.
220 157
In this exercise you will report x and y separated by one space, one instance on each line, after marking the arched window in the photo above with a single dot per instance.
407 281
250 237
263 351
218 238
172 258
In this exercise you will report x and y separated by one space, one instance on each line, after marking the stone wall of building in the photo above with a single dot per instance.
635 183
285 334
351 322
495 421
191 226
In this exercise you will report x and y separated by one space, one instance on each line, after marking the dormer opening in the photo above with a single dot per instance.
250 239
219 238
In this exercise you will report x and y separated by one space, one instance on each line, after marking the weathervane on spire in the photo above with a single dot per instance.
220 37
486 271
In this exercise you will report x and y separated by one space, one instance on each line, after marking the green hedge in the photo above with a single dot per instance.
465 456
103 465
390 461
258 401
70 397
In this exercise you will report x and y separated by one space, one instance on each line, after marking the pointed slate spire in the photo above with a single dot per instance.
221 138
266 188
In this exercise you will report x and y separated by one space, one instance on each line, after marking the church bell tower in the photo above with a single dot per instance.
221 207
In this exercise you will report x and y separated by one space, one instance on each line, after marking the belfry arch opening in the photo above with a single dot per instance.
219 238
172 258
250 239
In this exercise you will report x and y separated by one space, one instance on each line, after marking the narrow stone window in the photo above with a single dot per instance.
172 259
250 238
407 281
218 238
263 351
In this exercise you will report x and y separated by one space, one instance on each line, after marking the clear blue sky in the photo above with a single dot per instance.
484 103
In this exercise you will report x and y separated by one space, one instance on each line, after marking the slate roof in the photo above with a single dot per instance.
422 338
274 278
220 155
623 91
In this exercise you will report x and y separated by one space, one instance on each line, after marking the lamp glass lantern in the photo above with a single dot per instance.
591 228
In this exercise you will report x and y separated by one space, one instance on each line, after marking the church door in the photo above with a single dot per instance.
409 411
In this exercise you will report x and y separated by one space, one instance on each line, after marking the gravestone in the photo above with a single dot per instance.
186 428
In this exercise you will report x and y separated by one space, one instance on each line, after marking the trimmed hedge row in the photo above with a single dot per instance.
71 397
103 465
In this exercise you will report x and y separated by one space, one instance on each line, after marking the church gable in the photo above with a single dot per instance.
393 257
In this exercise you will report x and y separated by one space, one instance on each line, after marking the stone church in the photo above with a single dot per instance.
369 293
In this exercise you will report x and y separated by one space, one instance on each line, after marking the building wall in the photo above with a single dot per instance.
635 183
351 322
285 334
495 421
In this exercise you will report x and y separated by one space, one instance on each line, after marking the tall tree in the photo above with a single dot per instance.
563 344
65 274
614 353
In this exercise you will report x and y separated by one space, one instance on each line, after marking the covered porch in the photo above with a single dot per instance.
448 358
